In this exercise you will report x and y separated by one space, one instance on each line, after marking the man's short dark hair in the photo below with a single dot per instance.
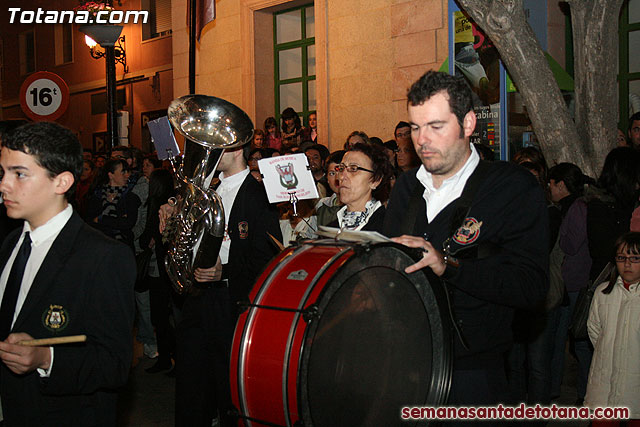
126 152
7 126
401 125
321 149
633 118
434 82
54 147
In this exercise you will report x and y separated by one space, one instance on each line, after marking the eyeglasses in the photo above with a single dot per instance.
633 258
351 168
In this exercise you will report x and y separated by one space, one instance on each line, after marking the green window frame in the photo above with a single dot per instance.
304 43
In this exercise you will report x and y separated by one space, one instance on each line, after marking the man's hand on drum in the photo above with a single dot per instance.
430 256
212 274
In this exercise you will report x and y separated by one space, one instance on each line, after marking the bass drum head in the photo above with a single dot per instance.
380 342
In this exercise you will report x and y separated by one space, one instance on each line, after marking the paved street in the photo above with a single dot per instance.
148 398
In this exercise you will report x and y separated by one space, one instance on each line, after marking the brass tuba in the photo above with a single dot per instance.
209 125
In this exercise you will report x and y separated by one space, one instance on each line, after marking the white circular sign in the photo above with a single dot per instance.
44 96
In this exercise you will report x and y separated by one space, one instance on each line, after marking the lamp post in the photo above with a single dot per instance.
107 36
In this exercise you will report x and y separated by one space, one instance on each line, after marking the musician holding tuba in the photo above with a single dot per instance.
210 311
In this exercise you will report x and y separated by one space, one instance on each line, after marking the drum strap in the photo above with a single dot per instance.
408 226
463 204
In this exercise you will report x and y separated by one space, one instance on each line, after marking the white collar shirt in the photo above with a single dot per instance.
41 240
228 190
450 189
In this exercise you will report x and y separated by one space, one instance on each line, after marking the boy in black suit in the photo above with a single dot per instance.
59 277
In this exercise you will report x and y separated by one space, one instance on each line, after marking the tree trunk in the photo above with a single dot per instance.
505 23
595 44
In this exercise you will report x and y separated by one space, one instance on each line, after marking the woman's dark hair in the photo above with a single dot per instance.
572 177
290 113
263 152
537 170
620 175
161 187
629 241
110 167
92 166
533 155
153 158
335 157
271 121
381 169
258 132
269 152
359 133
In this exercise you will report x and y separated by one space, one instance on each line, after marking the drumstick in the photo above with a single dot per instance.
54 341
277 242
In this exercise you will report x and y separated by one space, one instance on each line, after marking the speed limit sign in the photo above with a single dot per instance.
44 96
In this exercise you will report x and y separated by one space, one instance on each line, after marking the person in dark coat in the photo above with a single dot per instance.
211 308
74 280
483 229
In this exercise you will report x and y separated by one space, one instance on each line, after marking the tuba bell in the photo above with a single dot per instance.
209 125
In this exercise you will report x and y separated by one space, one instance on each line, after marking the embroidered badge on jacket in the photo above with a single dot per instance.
469 232
243 229
55 318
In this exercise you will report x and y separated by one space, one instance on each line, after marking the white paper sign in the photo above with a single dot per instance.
286 175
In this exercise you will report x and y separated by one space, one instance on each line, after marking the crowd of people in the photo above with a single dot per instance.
515 243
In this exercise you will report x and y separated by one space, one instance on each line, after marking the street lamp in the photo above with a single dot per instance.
107 36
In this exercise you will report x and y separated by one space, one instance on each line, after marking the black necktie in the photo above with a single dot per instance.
8 307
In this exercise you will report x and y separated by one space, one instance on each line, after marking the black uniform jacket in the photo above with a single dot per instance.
251 218
508 216
84 286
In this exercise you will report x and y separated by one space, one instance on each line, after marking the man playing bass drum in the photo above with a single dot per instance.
482 228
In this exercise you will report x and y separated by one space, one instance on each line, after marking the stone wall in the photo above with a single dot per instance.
368 53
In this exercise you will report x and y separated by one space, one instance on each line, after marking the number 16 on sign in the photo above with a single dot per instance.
44 96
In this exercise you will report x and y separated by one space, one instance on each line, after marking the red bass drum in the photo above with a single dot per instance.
339 335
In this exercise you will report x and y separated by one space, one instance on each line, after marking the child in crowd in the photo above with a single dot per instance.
273 138
614 329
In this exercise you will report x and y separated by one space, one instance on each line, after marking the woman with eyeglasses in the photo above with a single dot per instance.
364 186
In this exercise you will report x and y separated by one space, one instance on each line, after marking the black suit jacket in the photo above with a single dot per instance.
251 218
84 286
